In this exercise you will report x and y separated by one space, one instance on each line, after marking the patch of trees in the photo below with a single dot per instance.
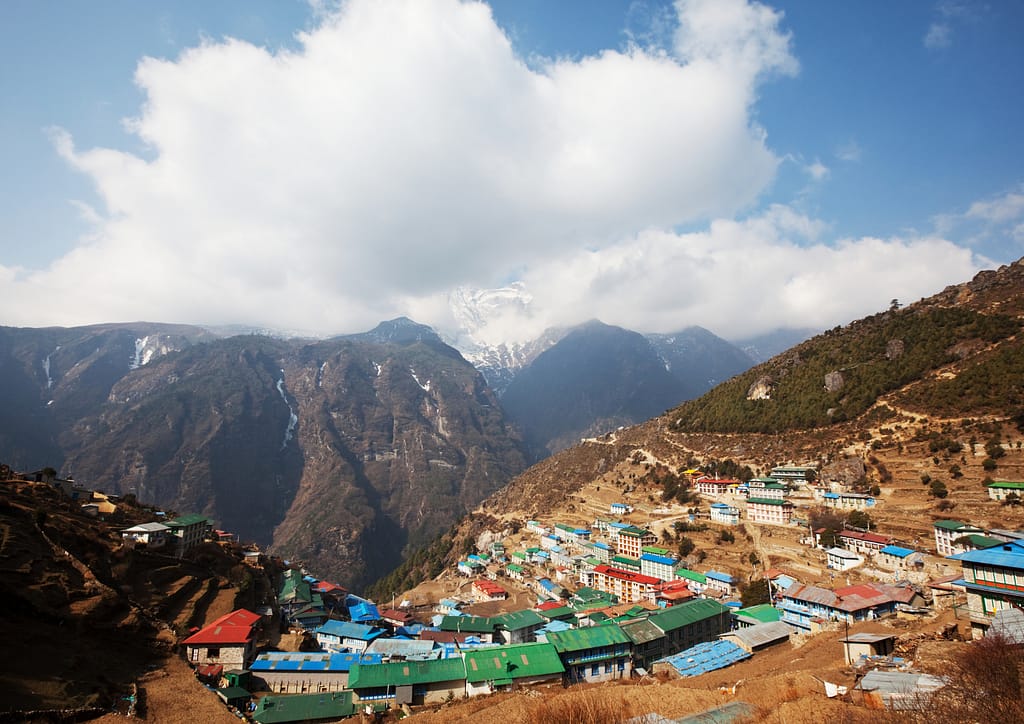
800 401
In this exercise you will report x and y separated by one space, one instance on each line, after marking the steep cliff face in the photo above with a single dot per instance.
339 453
400 438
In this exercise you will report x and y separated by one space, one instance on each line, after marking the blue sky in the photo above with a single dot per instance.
601 157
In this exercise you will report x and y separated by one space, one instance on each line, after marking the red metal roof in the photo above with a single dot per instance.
236 627
869 537
627 575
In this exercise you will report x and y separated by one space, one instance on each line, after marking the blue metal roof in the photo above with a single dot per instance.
349 630
658 559
313 661
1010 555
718 576
896 551
706 657
831 496
602 545
363 612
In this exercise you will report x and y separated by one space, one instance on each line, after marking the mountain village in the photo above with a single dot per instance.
562 603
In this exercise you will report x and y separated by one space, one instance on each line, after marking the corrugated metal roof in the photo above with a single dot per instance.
762 613
706 657
467 624
513 662
514 620
349 630
1009 555
899 682
761 634
304 707
642 631
896 551
687 613
368 676
400 647
579 639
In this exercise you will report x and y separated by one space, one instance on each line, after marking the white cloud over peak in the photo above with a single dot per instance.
404 149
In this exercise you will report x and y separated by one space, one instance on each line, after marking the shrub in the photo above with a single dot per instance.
988 464
938 489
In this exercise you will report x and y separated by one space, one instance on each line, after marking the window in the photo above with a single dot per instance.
595 669
212 653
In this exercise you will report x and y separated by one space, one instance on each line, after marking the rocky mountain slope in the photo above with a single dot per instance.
931 393
599 377
340 452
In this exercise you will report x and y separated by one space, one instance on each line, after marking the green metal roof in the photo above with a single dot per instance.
763 612
592 637
980 541
186 520
293 588
467 624
514 567
304 707
519 554
642 631
634 530
512 662
560 612
625 561
656 550
687 613
949 524
691 575
769 501
515 620
369 676
1006 484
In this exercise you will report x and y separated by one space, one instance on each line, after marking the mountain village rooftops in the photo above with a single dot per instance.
237 627
512 662
368 676
310 661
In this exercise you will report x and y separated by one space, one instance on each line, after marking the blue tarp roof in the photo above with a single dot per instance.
706 657
365 611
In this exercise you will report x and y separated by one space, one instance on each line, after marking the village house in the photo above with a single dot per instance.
229 641
672 593
517 627
300 672
497 669
152 535
811 607
897 558
340 636
658 565
756 614
715 487
665 632
840 559
974 542
721 582
766 489
1000 489
484 590
994 580
596 653
696 582
397 619
769 511
409 682
480 626
946 531
863 543
188 532
759 636
725 514
795 474
847 501
620 509
629 587
860 646
631 541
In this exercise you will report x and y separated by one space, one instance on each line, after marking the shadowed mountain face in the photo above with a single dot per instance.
339 453
599 377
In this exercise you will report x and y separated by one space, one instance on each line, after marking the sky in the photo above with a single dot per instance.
317 167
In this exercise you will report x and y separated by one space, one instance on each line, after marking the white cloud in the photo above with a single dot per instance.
817 170
1008 207
405 149
939 35
850 152
740 277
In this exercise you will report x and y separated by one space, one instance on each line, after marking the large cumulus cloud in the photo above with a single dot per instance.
404 148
